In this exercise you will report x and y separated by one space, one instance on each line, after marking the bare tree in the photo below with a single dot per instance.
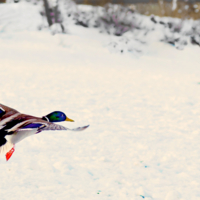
161 4
53 14
174 4
47 11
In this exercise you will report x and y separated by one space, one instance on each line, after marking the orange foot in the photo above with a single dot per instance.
10 153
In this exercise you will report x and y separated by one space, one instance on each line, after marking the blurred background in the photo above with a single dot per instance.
177 21
173 8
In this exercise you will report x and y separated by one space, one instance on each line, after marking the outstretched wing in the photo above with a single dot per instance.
8 110
79 128
54 127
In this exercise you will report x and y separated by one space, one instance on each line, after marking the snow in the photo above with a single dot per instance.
143 111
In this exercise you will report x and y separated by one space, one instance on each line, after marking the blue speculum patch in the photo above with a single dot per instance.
33 126
2 112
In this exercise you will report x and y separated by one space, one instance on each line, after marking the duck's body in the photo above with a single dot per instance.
15 126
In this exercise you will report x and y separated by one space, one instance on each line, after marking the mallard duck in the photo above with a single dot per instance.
15 126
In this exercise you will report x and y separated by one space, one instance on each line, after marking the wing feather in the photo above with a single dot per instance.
54 127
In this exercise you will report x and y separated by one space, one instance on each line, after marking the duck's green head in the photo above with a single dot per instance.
57 116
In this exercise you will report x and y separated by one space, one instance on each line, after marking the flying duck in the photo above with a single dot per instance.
15 126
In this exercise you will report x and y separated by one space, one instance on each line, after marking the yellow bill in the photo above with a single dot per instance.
70 120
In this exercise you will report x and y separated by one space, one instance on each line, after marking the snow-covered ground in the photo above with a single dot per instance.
144 114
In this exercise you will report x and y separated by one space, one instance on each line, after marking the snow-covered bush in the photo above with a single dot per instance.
179 32
117 19
55 14
123 21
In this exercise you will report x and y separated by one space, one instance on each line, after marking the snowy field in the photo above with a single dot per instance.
144 114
